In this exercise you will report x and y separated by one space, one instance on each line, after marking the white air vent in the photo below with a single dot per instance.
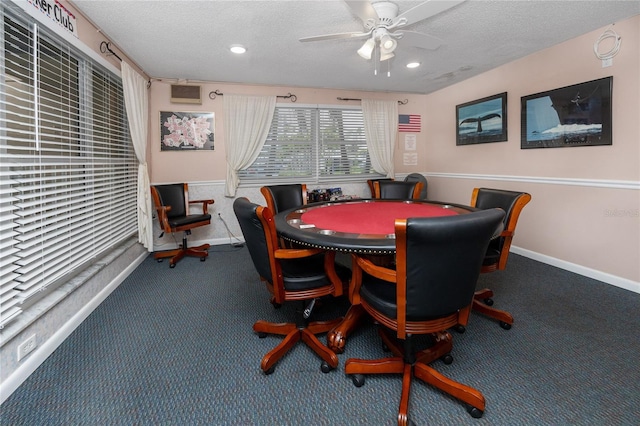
185 94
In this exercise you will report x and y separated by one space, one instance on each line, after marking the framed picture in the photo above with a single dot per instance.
186 131
482 121
577 115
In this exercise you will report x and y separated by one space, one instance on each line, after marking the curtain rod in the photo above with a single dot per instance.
215 93
104 48
406 101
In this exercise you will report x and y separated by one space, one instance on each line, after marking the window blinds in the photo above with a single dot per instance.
68 170
312 144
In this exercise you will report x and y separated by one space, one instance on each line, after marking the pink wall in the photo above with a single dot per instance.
584 213
198 166
586 200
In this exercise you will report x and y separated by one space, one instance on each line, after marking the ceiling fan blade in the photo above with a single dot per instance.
363 9
421 40
426 10
354 34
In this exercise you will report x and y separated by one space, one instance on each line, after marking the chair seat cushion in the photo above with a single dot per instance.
381 295
491 257
308 273
175 222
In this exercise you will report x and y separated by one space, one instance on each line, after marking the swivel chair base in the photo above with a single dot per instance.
294 333
416 366
182 251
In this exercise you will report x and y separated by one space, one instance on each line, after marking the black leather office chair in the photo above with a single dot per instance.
370 184
397 190
417 177
512 202
284 197
301 275
172 205
438 262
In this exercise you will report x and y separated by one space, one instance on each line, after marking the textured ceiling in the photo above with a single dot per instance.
188 40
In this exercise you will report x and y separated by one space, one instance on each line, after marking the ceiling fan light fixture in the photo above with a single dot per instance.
384 56
367 49
387 43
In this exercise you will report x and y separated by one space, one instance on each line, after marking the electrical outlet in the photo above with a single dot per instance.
26 347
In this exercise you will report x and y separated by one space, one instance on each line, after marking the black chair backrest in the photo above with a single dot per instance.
286 197
254 235
443 260
396 190
173 195
497 198
417 177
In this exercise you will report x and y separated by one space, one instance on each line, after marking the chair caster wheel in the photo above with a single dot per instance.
358 380
172 265
488 301
325 367
262 334
202 259
385 348
475 413
460 329
159 260
447 359
505 325
270 370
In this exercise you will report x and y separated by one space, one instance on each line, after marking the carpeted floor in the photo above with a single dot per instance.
175 346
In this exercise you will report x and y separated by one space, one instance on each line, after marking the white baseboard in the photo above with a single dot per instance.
42 353
579 269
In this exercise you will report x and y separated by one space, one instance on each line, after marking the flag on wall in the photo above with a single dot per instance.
409 123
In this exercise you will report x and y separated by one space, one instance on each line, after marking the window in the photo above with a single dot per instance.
312 144
68 171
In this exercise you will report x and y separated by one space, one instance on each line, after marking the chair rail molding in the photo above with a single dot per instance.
594 183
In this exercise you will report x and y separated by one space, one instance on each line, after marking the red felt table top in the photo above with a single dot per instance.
369 218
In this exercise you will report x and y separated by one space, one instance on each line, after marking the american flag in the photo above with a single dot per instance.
409 123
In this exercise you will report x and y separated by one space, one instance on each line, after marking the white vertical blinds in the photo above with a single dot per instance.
312 144
68 169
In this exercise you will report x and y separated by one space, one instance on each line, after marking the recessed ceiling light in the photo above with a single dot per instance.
236 48
413 64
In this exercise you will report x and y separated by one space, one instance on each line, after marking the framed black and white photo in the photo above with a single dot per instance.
482 121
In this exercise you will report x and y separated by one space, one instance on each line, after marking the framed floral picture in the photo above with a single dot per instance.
186 131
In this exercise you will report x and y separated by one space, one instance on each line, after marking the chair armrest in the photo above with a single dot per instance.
374 270
295 253
360 264
205 204
163 218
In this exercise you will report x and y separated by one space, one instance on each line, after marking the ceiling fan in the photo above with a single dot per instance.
383 27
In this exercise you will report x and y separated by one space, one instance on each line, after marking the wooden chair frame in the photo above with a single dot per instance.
482 301
183 249
399 363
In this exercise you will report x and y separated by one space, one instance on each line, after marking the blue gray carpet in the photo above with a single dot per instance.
176 347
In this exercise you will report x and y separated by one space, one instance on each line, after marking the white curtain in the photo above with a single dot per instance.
136 99
247 123
381 130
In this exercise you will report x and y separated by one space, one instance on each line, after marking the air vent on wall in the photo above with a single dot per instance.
181 94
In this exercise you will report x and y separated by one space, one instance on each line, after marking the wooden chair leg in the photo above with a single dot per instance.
505 318
274 355
403 409
458 390
319 348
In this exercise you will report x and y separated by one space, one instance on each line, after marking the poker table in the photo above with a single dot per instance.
363 226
